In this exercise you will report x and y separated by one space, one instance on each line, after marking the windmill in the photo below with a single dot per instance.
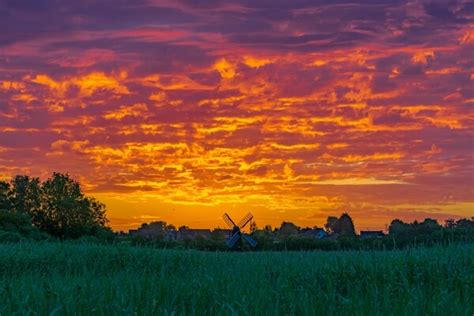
234 241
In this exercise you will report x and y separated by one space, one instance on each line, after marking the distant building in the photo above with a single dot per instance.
371 234
317 233
188 233
154 230
157 230
220 233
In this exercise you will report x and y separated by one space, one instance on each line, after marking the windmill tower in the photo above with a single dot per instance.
234 241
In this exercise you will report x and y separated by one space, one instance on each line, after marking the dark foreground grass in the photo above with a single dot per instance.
65 278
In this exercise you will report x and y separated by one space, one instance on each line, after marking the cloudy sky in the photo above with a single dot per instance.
293 110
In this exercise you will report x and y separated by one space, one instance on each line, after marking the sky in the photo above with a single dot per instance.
292 110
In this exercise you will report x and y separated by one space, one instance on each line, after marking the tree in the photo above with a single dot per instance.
253 227
25 195
330 222
398 227
428 226
15 222
450 223
267 228
344 226
18 223
265 237
66 212
5 203
288 228
465 223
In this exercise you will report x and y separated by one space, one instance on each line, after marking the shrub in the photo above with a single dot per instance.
10 237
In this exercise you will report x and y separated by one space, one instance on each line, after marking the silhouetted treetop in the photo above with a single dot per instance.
57 206
344 226
288 228
330 222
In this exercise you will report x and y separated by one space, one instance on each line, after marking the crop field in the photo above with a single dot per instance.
88 279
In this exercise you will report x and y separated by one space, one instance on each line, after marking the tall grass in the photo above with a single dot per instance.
87 279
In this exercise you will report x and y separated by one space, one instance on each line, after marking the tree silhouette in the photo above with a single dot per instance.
65 211
288 228
450 223
330 222
25 195
344 226
253 227
428 226
398 227
465 223
5 203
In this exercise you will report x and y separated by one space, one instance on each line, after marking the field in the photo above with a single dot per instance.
87 279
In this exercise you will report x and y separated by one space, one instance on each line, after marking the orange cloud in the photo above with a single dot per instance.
134 110
422 57
225 68
87 84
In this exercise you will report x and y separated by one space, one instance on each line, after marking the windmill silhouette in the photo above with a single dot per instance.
234 241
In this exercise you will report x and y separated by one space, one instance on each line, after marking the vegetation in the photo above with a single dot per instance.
82 278
343 225
57 256
57 207
341 236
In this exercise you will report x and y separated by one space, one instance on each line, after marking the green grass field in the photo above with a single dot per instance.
87 279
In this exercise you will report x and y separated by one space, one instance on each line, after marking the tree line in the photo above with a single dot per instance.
57 208
340 234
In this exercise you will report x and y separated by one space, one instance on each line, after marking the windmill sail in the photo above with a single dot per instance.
249 239
245 220
232 240
228 221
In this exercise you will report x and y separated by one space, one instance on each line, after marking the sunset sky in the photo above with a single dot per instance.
292 110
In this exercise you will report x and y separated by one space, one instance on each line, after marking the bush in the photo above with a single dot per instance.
10 237
87 240
20 224
10 221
